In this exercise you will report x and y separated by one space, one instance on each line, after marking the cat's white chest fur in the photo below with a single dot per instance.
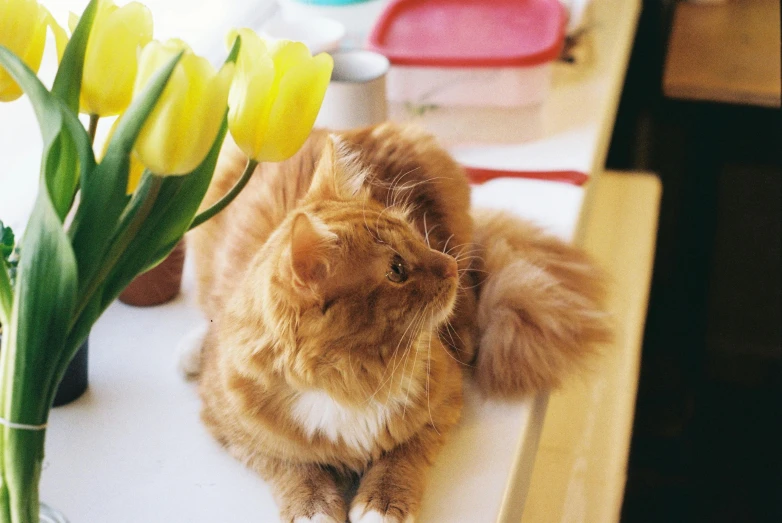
357 427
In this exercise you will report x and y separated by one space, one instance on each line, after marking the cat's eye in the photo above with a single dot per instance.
397 272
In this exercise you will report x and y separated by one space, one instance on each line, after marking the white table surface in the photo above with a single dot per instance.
132 449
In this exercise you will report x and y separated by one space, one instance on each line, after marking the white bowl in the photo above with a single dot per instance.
319 34
357 18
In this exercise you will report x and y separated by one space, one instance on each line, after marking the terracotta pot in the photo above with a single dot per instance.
157 285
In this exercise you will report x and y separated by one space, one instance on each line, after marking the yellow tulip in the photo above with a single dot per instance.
111 59
183 125
275 96
23 26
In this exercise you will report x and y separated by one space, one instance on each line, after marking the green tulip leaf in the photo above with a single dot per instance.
62 146
133 119
104 188
67 82
177 200
44 104
46 296
6 295
175 206
233 54
59 165
79 155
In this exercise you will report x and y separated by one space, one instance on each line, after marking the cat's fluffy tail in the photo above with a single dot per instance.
540 306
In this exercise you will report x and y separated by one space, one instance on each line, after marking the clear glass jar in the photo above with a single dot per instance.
50 515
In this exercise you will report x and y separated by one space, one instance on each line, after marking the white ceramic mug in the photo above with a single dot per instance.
356 96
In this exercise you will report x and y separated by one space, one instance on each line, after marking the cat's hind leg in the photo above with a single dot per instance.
190 351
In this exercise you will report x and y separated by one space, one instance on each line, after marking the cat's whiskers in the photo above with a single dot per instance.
469 288
467 252
408 187
379 217
446 324
448 328
470 259
428 373
427 232
456 246
389 370
470 269
406 357
446 244
401 176
376 234
393 358
350 363
415 360
392 187
394 250
449 251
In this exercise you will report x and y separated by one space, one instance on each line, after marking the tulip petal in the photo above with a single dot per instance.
186 119
136 169
287 55
300 95
60 36
73 21
23 31
135 173
110 64
156 144
203 111
253 47
249 106
250 101
19 22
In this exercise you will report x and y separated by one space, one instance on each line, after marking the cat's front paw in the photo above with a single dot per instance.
372 512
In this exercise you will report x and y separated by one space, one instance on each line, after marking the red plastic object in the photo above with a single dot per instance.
470 33
478 175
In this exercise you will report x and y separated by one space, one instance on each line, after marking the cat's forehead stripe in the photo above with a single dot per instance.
378 220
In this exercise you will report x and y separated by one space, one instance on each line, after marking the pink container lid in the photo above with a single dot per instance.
470 33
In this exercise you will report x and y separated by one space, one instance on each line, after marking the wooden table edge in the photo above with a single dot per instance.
624 202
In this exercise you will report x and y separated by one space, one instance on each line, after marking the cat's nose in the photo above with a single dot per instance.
451 269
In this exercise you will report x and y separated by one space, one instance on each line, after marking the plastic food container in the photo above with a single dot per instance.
495 53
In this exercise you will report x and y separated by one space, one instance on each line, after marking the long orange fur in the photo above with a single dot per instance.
305 315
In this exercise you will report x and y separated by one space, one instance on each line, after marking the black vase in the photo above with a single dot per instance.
74 383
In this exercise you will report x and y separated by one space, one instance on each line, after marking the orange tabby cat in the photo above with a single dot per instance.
341 328
324 358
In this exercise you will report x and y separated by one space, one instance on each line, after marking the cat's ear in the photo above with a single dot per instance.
338 174
311 247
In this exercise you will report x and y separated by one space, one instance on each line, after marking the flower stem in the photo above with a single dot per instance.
119 245
228 198
21 449
93 127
